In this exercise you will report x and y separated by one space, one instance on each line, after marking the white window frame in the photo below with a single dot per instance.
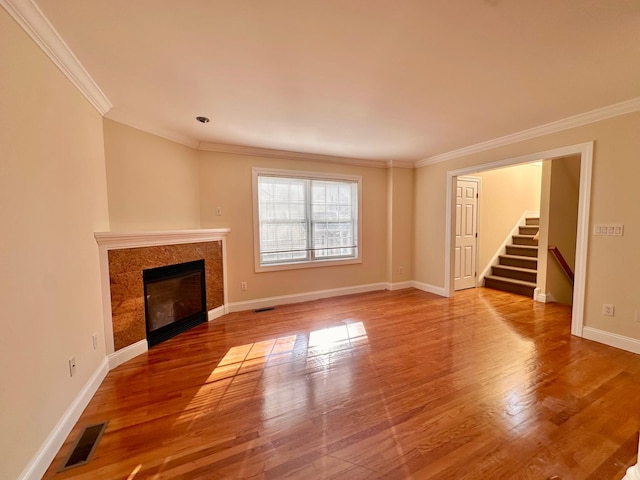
312 263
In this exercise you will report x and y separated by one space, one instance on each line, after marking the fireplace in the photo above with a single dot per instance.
123 258
174 299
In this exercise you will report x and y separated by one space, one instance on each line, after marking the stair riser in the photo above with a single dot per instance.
504 272
522 263
532 221
524 252
524 241
509 287
528 230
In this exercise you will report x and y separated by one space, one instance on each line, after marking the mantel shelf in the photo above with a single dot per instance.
115 240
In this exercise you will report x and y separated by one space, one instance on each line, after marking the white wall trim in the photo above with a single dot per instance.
48 450
117 240
289 155
501 249
303 297
425 287
125 118
585 150
633 472
117 115
582 239
217 312
399 285
33 21
612 339
592 116
538 296
125 354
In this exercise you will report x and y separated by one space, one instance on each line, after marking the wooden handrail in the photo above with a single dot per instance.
563 263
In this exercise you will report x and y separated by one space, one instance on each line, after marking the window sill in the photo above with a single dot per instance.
300 265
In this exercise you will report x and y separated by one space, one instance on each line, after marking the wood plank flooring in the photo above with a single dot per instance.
404 384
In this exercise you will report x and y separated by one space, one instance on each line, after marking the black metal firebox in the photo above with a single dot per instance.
174 300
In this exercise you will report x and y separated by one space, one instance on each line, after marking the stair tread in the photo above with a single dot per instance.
523 236
517 257
517 269
511 280
528 247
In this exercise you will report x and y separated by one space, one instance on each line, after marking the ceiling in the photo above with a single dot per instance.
399 80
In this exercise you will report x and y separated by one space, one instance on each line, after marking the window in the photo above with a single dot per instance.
304 219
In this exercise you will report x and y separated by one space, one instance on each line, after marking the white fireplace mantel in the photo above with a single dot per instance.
119 240
115 240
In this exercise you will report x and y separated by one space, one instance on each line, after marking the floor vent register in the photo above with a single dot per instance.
85 446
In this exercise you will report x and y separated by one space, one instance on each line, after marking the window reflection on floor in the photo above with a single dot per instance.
328 337
295 370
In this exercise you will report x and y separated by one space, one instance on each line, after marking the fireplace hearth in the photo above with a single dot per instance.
174 299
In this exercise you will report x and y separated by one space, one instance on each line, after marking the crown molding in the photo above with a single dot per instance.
32 20
286 154
119 116
400 163
592 116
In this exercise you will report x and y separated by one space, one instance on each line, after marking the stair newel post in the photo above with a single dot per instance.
633 472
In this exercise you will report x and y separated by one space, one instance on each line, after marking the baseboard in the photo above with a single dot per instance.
542 297
302 297
131 351
217 312
399 285
36 468
425 287
612 339
127 353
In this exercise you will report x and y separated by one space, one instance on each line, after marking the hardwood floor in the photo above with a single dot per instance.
404 384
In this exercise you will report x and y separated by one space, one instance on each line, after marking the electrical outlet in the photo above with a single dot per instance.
72 366
608 309
218 211
401 270
243 286
95 341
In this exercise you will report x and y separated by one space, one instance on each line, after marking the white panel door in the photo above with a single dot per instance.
466 234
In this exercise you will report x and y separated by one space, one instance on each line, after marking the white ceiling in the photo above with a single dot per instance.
367 79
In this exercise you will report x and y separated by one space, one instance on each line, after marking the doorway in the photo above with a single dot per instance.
585 152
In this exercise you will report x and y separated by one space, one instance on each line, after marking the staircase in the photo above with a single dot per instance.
517 269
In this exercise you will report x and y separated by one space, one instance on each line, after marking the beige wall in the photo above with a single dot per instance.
53 197
399 224
563 223
153 182
615 168
137 202
506 194
226 183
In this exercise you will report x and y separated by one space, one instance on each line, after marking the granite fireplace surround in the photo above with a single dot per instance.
125 256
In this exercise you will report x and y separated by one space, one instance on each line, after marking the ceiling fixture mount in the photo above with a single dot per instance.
203 119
